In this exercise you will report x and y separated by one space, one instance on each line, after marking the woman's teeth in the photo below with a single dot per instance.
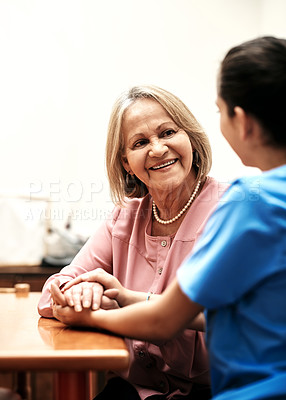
164 165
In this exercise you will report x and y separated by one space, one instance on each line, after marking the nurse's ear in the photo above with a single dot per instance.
246 125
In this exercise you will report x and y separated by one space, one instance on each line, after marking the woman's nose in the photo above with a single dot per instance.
158 148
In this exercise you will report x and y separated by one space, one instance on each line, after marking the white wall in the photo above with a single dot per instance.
64 62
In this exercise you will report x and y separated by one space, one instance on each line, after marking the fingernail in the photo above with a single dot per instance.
86 304
77 308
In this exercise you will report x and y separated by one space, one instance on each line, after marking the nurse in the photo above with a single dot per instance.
237 270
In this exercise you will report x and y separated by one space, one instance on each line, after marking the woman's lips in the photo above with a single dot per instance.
163 165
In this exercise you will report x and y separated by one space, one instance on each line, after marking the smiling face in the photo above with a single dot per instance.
157 151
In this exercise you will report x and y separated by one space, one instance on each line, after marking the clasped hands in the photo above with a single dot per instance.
84 294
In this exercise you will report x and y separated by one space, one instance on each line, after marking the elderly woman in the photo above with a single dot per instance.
157 158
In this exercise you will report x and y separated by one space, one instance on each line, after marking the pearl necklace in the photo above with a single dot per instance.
170 221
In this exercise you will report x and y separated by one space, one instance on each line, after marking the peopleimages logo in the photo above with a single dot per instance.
60 214
77 200
58 190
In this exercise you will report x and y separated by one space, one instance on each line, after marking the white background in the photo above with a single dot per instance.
63 63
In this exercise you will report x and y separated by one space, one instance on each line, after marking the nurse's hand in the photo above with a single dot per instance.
69 316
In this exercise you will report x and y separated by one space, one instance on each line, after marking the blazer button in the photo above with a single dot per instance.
164 243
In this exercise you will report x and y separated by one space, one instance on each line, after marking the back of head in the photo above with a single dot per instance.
253 77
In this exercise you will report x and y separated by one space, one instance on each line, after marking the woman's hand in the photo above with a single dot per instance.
113 295
84 295
56 294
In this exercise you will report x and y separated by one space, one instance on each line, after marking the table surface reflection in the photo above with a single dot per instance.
28 342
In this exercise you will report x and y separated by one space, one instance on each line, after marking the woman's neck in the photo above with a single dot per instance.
158 229
170 202
169 206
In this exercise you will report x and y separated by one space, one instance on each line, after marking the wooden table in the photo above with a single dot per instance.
28 342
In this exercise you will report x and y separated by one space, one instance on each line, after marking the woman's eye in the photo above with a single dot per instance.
140 143
168 132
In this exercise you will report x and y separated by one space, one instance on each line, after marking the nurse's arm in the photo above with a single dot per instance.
161 319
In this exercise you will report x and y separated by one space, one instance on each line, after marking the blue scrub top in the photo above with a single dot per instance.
237 271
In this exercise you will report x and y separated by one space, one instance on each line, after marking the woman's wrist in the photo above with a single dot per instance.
123 298
132 296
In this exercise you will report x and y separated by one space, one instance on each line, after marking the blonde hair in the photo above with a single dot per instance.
180 114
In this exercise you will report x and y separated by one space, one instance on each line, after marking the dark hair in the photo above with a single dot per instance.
253 77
